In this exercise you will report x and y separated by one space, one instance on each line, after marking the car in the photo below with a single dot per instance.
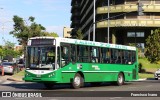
9 67
157 74
21 64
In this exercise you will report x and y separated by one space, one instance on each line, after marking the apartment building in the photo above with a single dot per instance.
67 32
124 24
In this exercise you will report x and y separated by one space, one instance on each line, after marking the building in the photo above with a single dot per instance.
67 32
19 47
125 25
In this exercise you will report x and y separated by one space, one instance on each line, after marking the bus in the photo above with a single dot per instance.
54 60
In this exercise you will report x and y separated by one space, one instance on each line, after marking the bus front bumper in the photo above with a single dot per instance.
34 79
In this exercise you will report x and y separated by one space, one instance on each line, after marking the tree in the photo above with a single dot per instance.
52 34
22 31
9 45
79 34
153 46
7 51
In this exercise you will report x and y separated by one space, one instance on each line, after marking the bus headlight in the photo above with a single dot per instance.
51 75
27 74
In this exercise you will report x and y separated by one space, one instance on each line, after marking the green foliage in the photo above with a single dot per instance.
52 34
1 52
153 47
8 50
9 45
22 31
79 34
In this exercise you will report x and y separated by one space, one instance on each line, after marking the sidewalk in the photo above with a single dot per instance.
12 78
15 78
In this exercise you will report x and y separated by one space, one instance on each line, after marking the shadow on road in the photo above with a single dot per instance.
40 86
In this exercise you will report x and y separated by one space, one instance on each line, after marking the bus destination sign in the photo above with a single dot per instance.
35 42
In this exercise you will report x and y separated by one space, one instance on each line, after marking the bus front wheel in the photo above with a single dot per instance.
77 81
120 79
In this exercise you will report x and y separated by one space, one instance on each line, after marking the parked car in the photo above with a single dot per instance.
21 64
157 74
9 67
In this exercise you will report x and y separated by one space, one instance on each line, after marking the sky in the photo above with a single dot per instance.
52 14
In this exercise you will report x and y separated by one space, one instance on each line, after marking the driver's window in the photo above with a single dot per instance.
50 55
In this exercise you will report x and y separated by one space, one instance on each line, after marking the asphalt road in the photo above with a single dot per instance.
142 90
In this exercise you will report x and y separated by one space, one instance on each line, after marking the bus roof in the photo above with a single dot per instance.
89 43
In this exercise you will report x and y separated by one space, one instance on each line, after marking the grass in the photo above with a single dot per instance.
19 74
144 75
149 68
146 64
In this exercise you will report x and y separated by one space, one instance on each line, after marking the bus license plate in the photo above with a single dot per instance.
38 75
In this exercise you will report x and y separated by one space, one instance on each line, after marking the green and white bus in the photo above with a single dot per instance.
52 60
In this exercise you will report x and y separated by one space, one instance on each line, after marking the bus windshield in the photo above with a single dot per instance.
41 57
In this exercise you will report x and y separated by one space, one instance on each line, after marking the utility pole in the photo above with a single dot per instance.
94 19
108 19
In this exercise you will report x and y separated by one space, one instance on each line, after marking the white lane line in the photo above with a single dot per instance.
149 86
115 98
7 82
132 87
19 82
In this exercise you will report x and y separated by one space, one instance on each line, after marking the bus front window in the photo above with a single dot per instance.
41 57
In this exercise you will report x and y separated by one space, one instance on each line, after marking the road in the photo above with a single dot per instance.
60 92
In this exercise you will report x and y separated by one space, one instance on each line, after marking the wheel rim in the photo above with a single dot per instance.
120 79
77 81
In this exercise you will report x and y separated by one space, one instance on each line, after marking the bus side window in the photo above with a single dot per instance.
133 56
73 53
114 56
119 59
105 55
129 57
95 55
125 57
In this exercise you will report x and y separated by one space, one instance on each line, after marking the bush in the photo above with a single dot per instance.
141 70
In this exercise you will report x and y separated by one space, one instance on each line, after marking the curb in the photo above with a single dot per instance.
17 80
142 79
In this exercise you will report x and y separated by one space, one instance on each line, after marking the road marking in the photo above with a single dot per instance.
18 98
7 82
20 82
132 87
149 86
115 98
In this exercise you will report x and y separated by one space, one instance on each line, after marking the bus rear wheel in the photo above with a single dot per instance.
120 79
78 81
49 85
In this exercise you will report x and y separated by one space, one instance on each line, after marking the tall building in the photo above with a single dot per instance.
125 25
67 32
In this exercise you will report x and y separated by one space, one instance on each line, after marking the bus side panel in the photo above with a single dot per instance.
96 72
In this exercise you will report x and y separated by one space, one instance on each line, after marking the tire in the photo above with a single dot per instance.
78 81
49 85
156 78
120 79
